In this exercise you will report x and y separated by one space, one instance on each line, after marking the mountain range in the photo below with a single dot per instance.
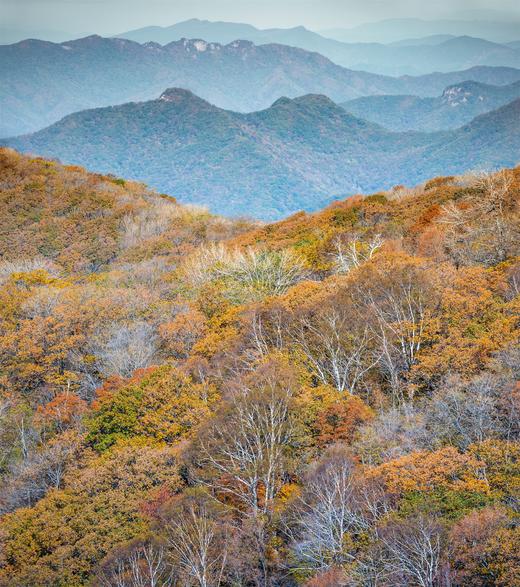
40 82
391 30
432 40
457 105
10 35
297 154
447 54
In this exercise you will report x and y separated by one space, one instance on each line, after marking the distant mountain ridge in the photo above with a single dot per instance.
9 35
297 154
40 82
447 55
391 30
418 41
211 31
458 105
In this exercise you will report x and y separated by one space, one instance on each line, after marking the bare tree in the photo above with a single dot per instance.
155 219
462 413
339 351
414 549
26 435
355 253
241 457
250 273
334 508
395 432
242 451
487 231
513 288
137 565
399 305
5 433
197 543
497 187
127 348
264 342
42 469
42 303
8 268
401 319
268 272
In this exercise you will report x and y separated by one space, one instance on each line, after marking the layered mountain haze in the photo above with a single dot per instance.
448 54
41 82
418 41
451 54
488 142
216 32
433 84
15 35
457 105
297 154
391 30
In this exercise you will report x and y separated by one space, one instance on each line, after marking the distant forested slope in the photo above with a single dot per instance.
297 154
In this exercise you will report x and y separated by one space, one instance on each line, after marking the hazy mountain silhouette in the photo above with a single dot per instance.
457 105
390 30
447 55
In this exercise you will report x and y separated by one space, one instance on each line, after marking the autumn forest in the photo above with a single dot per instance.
191 400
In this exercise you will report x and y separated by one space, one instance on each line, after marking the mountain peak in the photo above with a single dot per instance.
177 95
315 100
457 94
319 100
185 98
152 45
33 44
471 91
241 44
87 39
93 42
466 41
192 46
281 102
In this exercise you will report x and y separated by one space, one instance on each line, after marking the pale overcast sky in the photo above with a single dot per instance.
113 16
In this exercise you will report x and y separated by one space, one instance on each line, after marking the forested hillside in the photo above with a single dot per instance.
298 154
186 400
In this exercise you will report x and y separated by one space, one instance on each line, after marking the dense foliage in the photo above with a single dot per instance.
192 401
